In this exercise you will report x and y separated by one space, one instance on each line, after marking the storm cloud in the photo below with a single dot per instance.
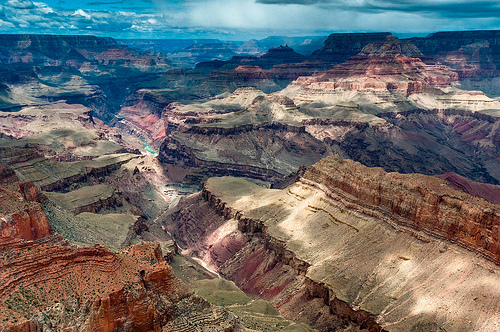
243 19
444 8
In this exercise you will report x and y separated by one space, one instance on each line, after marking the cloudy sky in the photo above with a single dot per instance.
243 19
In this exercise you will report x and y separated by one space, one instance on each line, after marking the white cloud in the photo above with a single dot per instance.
20 4
4 24
81 12
44 8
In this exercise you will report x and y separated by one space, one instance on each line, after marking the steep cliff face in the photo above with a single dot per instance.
339 47
383 251
239 249
21 216
424 203
29 224
247 133
303 124
471 53
93 289
382 67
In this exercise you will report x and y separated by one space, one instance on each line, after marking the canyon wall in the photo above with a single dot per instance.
352 245
417 201
21 215
93 289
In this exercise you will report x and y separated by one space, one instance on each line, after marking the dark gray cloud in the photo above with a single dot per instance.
443 8
243 19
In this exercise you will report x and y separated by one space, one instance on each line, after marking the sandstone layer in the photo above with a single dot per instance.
358 245
21 215
93 289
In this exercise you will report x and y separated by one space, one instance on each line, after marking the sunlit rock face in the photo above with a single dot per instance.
352 245
383 77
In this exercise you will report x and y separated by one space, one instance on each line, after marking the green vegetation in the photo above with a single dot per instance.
220 292
255 315
84 196
88 228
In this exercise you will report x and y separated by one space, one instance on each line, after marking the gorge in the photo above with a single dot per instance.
350 188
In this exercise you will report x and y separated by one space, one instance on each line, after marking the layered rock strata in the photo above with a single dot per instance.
50 175
489 192
93 289
384 251
21 216
473 54
383 107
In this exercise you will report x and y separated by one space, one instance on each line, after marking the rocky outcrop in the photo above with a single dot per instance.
416 201
250 159
93 289
101 204
383 66
354 245
21 216
29 224
339 47
471 53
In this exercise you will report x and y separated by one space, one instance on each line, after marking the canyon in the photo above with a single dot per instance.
266 185
383 251
381 107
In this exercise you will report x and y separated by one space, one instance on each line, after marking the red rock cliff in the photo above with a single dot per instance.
417 201
93 289
20 215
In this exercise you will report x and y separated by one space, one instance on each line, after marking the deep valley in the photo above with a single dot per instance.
341 183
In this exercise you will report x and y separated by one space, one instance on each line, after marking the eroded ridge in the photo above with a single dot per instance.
421 202
94 289
348 244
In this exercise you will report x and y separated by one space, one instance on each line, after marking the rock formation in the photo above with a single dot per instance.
93 289
489 192
383 75
470 53
71 50
348 244
21 216
339 47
